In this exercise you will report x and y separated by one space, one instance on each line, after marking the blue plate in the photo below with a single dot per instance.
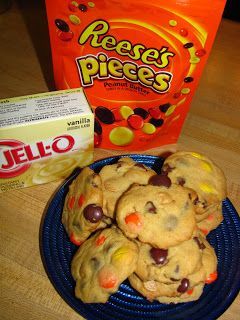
57 252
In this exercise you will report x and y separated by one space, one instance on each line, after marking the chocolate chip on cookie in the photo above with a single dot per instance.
159 255
160 180
93 213
183 286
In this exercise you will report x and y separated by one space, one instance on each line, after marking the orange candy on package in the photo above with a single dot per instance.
132 57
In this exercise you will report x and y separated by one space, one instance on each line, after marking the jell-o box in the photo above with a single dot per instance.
44 137
139 62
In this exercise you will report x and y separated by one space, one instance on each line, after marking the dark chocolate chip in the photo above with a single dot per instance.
93 213
159 255
164 107
141 112
183 287
97 127
62 25
200 244
181 181
160 180
104 115
156 122
82 7
150 207
188 45
188 79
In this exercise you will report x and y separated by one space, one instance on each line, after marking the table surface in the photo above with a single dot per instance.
212 127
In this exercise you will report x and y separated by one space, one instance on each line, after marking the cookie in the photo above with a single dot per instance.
188 288
161 215
118 177
201 174
170 265
102 263
82 212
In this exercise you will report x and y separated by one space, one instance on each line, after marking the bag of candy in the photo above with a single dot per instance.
139 63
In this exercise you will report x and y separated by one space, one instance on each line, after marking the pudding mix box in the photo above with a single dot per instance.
44 137
139 62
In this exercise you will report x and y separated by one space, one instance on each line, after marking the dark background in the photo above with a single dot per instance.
232 10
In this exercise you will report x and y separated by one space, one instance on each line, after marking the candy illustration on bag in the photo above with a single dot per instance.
139 63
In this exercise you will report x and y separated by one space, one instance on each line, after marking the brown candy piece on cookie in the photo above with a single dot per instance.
160 180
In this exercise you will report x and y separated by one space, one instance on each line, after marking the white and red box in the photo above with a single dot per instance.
44 137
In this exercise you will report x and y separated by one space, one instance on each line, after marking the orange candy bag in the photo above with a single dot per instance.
139 63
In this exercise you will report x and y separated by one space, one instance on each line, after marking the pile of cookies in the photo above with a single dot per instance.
131 222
